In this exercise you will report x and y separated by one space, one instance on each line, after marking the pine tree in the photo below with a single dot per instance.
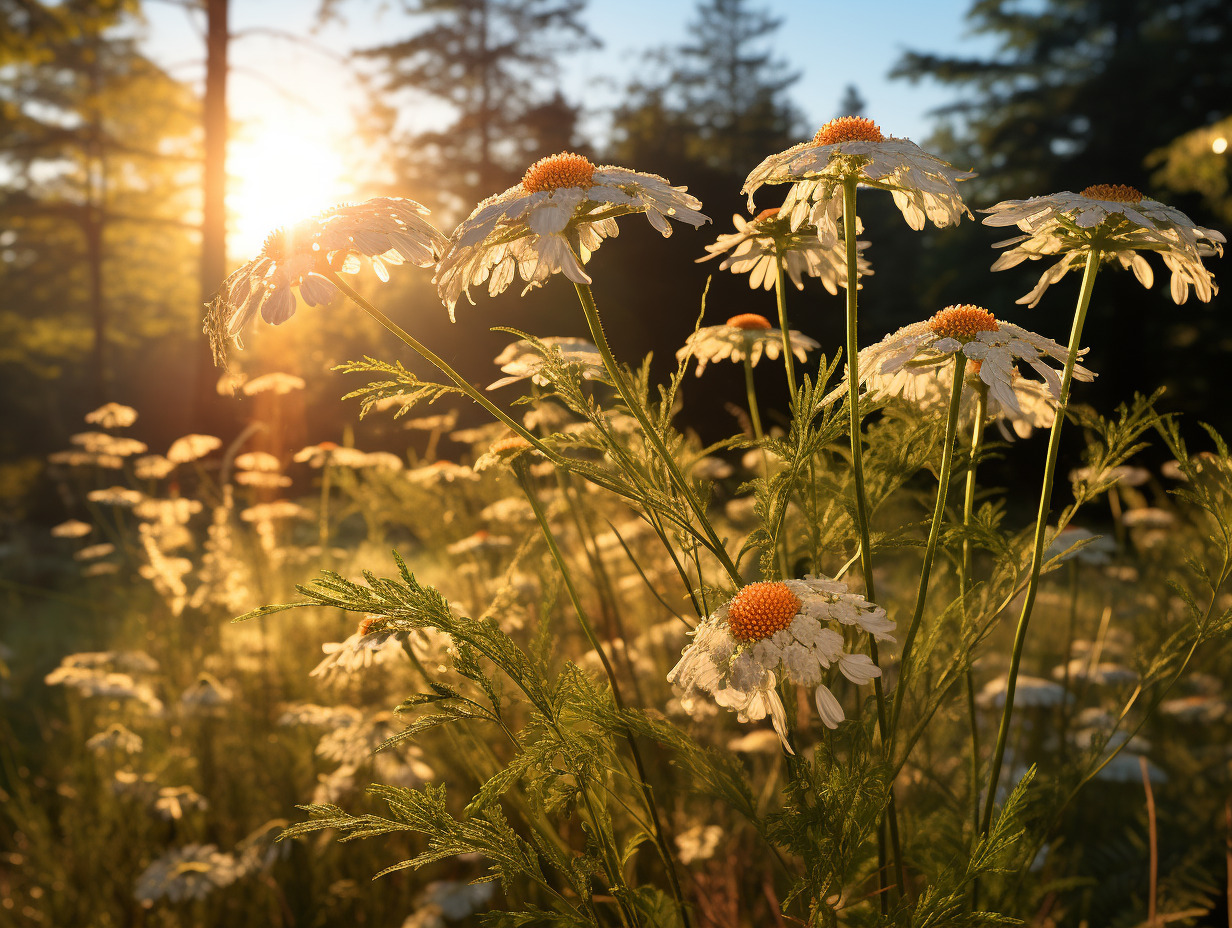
492 61
732 88
1082 91
95 141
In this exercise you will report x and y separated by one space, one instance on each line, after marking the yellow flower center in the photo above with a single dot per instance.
556 171
1117 193
848 129
963 322
760 610
749 321
766 214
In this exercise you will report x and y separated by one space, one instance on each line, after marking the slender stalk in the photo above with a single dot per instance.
562 565
439 363
714 543
1153 841
1041 526
751 392
964 585
934 534
780 297
857 467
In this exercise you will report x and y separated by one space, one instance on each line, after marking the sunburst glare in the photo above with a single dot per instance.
279 177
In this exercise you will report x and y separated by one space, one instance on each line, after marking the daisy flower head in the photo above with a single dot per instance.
1118 222
759 242
532 227
382 231
924 187
779 630
929 389
523 358
979 336
747 335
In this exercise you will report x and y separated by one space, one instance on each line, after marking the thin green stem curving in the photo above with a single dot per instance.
934 534
1041 526
857 468
714 543
780 297
647 794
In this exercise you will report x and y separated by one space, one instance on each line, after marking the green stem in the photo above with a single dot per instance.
588 629
440 364
857 468
1041 526
780 297
714 543
934 534
964 585
751 392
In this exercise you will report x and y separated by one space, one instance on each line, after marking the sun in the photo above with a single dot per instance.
277 178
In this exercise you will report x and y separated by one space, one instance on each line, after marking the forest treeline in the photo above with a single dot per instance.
102 274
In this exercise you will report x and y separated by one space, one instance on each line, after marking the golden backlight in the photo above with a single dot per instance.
278 178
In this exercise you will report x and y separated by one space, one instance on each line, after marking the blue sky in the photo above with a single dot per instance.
830 42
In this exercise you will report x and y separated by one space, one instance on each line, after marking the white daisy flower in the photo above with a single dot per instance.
924 187
747 335
698 843
102 443
192 447
112 416
981 337
191 872
528 228
779 630
382 231
116 739
152 467
521 359
758 243
73 528
930 388
1118 221
275 382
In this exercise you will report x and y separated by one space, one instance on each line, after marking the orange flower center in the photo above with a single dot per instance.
766 214
1117 193
556 171
509 445
848 129
761 609
365 625
749 321
963 322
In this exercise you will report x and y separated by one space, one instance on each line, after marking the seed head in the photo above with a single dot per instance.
564 170
848 129
749 321
1115 193
760 610
963 322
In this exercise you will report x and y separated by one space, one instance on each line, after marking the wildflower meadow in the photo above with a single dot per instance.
551 657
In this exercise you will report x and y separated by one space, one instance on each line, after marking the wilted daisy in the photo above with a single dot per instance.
747 335
1116 220
522 359
116 496
102 443
767 238
924 187
528 228
112 416
152 467
174 801
275 382
192 448
73 528
775 630
191 872
979 336
382 231
117 739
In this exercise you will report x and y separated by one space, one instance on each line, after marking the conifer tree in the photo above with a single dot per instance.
492 62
